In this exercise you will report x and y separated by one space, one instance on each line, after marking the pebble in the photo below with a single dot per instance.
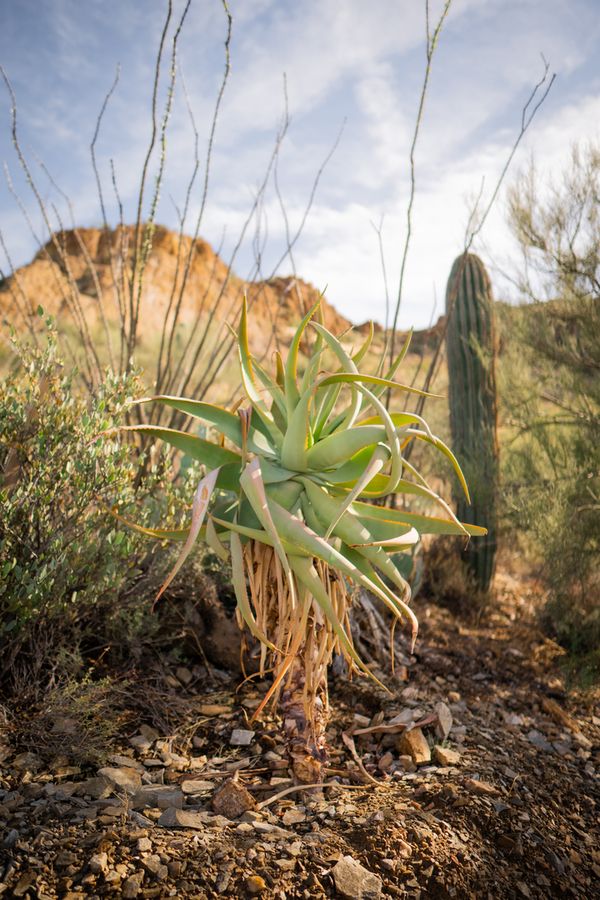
123 777
406 762
294 816
538 740
128 761
162 796
484 788
255 884
132 886
193 786
141 743
414 744
385 762
446 757
240 737
154 866
355 882
444 720
183 818
232 799
98 864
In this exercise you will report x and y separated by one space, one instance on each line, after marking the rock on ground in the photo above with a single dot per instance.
355 882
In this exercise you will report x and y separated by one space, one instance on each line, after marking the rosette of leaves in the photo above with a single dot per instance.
286 501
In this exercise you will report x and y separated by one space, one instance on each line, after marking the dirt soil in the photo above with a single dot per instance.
508 805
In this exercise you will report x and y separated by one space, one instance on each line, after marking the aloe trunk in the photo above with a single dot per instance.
305 724
471 351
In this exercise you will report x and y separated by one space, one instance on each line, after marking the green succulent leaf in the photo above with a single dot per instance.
314 447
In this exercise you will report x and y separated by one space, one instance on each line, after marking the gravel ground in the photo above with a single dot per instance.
479 776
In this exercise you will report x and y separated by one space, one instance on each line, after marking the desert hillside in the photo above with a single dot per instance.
89 270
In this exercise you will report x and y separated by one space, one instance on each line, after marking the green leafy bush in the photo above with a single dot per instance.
66 566
551 386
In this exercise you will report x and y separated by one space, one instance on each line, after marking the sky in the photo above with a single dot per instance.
350 74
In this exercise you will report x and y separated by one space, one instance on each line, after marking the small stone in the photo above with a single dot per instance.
404 849
179 763
154 866
24 884
273 831
453 696
255 884
141 743
144 845
123 777
484 788
361 721
385 762
149 732
98 864
251 815
444 720
286 865
415 745
113 877
538 740
240 737
406 762
132 886
446 757
183 818
194 786
355 882
294 816
232 799
162 796
128 761
11 839
66 858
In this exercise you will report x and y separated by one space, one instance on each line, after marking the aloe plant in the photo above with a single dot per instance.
286 501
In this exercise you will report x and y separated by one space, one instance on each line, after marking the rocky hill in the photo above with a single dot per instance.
87 272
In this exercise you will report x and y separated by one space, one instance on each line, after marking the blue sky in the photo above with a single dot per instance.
353 63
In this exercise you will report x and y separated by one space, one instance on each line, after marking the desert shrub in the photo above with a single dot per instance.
551 389
77 718
69 571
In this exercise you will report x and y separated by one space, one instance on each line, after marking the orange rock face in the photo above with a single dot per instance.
88 270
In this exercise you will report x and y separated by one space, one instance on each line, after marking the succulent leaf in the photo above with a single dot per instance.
294 519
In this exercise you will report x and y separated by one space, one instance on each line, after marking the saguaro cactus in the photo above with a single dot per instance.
471 352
